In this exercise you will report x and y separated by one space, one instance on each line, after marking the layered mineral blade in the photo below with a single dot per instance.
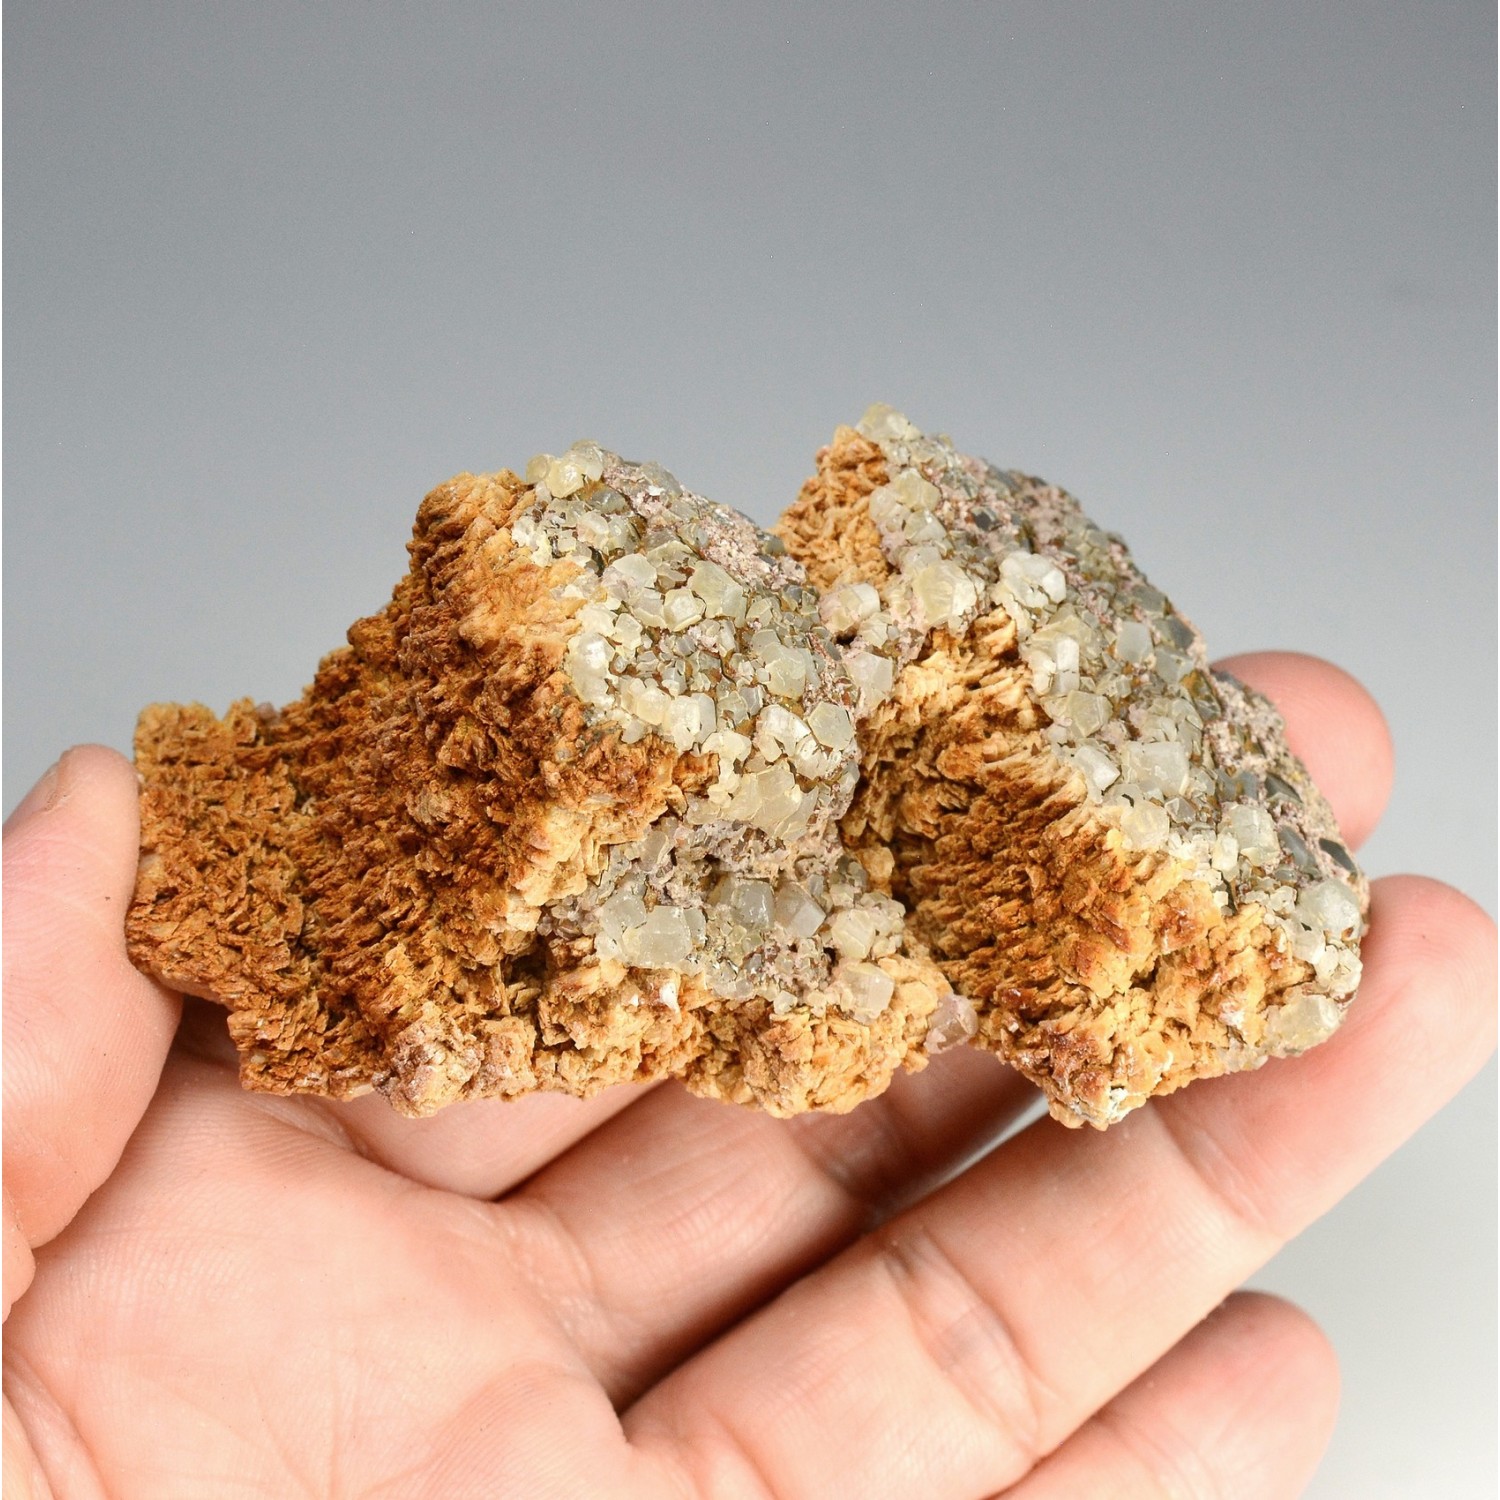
619 786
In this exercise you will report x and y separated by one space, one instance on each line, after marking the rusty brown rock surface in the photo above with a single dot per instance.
620 787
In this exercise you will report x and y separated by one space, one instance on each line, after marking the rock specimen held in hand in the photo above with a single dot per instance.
619 786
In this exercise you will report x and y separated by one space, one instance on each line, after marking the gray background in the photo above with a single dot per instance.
1224 271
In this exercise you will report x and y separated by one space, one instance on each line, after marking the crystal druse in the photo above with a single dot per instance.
619 786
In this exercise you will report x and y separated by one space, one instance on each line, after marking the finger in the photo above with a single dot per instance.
685 1213
1334 727
85 1033
1241 1409
721 1183
483 1147
976 1331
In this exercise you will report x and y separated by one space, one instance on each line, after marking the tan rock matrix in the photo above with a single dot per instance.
619 786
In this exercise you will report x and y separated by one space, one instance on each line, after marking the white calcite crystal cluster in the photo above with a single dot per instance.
698 629
1179 758
622 786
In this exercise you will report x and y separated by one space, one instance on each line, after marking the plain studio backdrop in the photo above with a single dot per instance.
1224 271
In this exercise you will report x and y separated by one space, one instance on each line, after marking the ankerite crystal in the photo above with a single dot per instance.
619 786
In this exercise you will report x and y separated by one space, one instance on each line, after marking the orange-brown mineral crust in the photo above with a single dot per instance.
619 786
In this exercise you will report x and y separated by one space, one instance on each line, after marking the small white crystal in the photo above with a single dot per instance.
832 725
1033 579
1302 1020
1133 642
730 747
953 1022
944 592
853 932
767 799
635 571
884 424
868 989
1087 712
589 657
845 608
661 941
1098 769
1255 833
681 608
915 492
720 594
682 722
1330 906
587 457
796 913
1226 852
1145 826
751 901
874 676
1161 767
564 477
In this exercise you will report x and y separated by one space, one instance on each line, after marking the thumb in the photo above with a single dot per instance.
85 1034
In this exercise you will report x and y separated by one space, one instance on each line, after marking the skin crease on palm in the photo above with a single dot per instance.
646 1294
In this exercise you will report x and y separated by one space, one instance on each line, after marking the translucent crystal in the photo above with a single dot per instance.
588 665
1087 712
868 989
952 1023
564 477
795 911
681 608
1133 642
1331 906
854 932
661 941
1145 826
644 700
873 675
751 902
1160 768
1098 769
832 725
720 594
915 492
1034 579
1302 1020
683 722
884 424
588 458
944 592
1255 833
767 799
844 609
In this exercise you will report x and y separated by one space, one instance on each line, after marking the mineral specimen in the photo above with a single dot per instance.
619 786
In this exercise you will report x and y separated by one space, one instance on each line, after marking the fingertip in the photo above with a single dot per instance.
1430 939
1334 727
1284 1337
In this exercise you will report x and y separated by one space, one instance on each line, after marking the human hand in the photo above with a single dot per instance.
647 1294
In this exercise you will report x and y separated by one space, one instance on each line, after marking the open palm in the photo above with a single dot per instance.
647 1294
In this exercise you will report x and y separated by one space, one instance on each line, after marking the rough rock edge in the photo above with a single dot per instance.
360 877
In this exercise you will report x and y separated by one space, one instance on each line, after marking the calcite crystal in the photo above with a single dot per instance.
619 786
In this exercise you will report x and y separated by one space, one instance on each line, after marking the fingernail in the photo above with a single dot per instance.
43 797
